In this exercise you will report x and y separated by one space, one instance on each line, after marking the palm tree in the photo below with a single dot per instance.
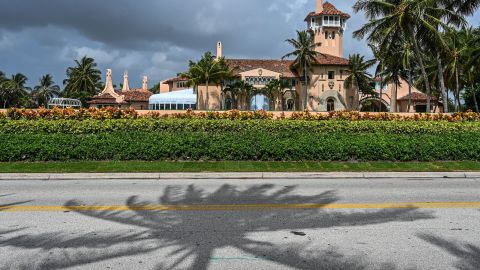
247 91
471 68
14 90
2 77
83 80
207 70
46 90
418 20
192 77
392 70
305 56
458 45
275 90
234 91
358 77
227 74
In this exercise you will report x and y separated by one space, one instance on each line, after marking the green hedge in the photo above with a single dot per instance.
175 139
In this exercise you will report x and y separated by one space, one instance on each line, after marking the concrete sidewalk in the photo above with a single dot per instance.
231 175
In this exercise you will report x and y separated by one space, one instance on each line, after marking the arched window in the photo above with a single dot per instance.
330 105
260 102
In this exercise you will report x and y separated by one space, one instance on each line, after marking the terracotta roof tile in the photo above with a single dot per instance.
328 9
418 97
176 79
327 59
138 95
105 98
279 66
283 67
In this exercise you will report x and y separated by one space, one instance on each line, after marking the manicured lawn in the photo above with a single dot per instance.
233 166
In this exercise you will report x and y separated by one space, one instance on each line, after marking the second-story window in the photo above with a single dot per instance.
331 75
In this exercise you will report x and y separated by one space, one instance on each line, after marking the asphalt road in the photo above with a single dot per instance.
241 224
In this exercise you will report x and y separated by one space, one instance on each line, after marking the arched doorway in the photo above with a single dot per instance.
260 102
290 104
330 105
228 104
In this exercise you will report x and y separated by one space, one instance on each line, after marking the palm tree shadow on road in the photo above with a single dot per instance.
468 254
192 237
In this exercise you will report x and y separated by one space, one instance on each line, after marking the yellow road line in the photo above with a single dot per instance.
238 207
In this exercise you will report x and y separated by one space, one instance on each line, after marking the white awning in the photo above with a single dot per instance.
177 97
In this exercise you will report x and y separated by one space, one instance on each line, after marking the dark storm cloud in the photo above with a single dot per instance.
144 24
152 37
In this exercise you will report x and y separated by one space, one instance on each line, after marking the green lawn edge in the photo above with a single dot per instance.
232 166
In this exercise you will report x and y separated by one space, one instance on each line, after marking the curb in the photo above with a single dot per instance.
240 176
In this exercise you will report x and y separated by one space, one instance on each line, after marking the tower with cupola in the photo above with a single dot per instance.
328 25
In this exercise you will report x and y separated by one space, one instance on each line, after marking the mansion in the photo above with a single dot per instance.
326 91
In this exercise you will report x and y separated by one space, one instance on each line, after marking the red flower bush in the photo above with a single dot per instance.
115 113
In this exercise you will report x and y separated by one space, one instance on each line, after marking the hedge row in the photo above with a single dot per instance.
114 113
220 126
246 145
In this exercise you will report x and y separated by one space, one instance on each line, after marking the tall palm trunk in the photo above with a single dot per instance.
381 97
410 81
207 98
475 99
441 81
422 68
457 92
393 99
306 86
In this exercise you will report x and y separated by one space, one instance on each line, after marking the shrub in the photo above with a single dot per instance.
291 146
114 113
91 126
69 113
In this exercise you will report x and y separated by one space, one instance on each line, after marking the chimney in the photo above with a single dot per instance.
319 8
145 83
125 87
219 50
108 82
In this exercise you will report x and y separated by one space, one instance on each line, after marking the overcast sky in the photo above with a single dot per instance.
150 37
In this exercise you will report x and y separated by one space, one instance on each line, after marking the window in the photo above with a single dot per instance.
341 74
259 80
228 104
326 34
420 108
333 35
181 84
330 105
331 75
290 104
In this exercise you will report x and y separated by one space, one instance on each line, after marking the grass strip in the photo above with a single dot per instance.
232 166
